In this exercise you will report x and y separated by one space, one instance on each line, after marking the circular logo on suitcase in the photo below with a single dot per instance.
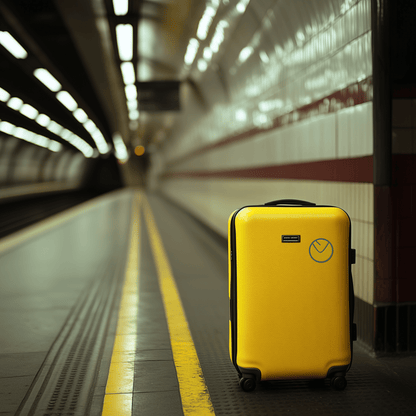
321 250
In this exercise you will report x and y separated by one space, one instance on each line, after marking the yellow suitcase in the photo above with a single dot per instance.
291 293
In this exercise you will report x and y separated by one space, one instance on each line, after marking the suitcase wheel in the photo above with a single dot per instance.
339 382
247 384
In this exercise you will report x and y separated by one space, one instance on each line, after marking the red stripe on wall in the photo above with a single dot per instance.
355 94
339 170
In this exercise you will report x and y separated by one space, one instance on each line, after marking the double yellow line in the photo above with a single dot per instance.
119 391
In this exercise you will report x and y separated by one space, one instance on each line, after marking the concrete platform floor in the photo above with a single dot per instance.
62 286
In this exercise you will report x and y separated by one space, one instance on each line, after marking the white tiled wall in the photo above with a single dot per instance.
345 134
328 60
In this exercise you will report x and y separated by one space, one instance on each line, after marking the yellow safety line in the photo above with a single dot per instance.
194 392
119 391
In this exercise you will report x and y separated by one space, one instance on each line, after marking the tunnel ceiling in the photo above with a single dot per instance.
76 42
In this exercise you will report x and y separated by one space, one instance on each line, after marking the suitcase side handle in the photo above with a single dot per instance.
291 202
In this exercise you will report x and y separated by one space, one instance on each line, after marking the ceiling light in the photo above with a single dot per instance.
24 134
121 7
120 148
131 92
81 145
207 53
242 6
54 127
4 95
54 146
245 54
80 115
29 111
15 103
90 126
132 105
41 140
127 70
29 136
205 22
43 120
7 127
202 65
264 57
134 115
219 36
12 45
191 51
47 79
124 35
67 100
241 115
100 142
133 125
65 134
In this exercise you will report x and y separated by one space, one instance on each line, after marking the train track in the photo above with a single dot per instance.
17 215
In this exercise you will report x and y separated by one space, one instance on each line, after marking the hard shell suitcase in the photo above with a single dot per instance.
291 292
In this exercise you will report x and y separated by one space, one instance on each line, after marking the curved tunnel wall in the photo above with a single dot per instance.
27 169
296 121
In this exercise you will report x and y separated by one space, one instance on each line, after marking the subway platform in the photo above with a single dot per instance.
119 306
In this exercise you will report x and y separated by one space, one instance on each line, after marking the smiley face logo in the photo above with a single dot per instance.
321 250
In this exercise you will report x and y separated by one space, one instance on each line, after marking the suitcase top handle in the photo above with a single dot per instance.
291 202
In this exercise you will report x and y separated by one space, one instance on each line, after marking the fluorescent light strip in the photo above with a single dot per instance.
29 111
132 105
90 126
67 100
124 35
120 148
191 51
121 7
47 79
202 65
207 53
81 145
93 130
15 103
54 146
131 92
80 115
7 127
206 21
55 128
127 70
12 45
44 76
66 134
242 6
100 141
134 115
29 136
4 95
43 120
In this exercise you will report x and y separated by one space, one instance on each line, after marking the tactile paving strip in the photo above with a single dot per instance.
373 387
66 380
